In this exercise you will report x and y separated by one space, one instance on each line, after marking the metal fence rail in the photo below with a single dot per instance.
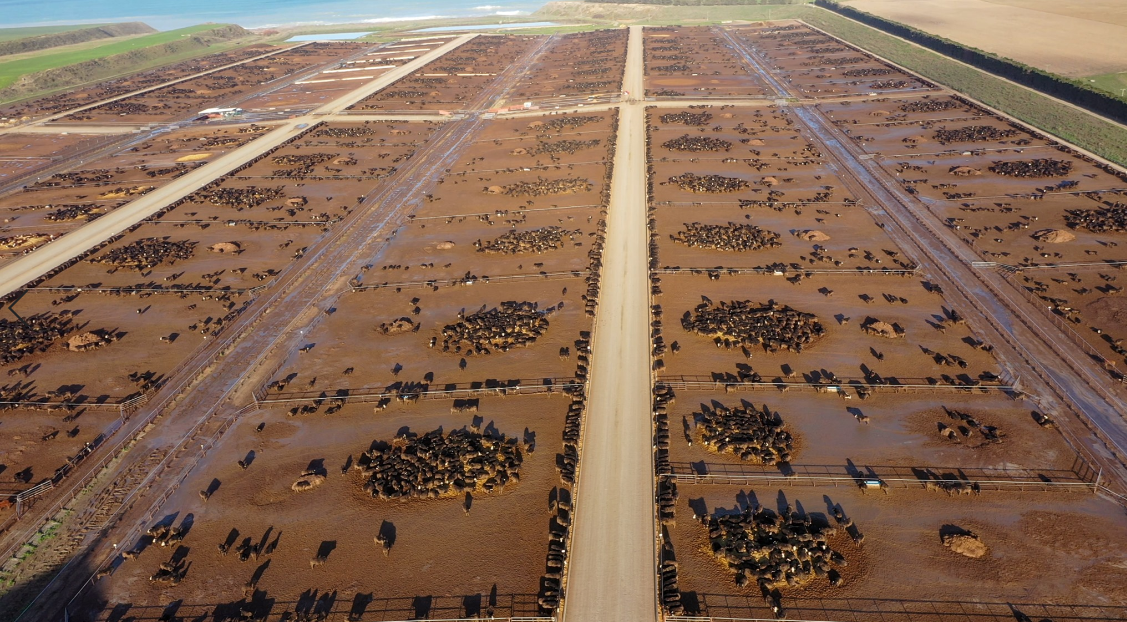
841 386
1079 477
790 270
449 391
322 606
740 608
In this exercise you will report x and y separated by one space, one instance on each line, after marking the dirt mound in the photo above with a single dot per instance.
87 341
395 327
308 482
225 247
812 235
876 327
519 151
964 171
494 189
1053 236
444 246
966 544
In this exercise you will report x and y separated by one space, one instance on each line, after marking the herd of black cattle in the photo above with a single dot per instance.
35 333
501 328
537 241
708 183
744 323
544 187
752 434
730 237
147 253
696 144
1112 218
1042 167
436 464
777 548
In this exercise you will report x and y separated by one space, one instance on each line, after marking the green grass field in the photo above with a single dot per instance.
1082 129
10 71
1114 83
11 34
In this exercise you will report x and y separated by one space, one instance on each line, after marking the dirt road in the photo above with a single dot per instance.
612 573
18 273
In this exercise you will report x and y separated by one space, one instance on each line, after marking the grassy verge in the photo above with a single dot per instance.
11 34
1082 129
11 71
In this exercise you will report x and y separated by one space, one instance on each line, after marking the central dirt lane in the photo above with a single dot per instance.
612 575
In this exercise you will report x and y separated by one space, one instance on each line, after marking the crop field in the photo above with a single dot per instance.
1086 38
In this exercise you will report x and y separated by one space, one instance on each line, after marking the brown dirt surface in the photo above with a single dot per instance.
1087 38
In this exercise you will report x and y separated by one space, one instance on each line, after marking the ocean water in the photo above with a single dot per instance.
168 14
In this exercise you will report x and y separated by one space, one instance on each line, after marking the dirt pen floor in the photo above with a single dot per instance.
833 439
113 326
338 78
696 62
577 64
228 87
454 80
1079 536
1055 223
1070 38
444 561
515 220
872 376
62 202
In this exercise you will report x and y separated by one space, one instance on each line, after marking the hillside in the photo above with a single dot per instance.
72 37
55 74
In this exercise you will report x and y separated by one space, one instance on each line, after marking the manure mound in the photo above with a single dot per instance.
308 482
87 341
225 247
966 544
1053 236
813 235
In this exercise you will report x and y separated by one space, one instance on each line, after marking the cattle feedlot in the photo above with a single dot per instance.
686 323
